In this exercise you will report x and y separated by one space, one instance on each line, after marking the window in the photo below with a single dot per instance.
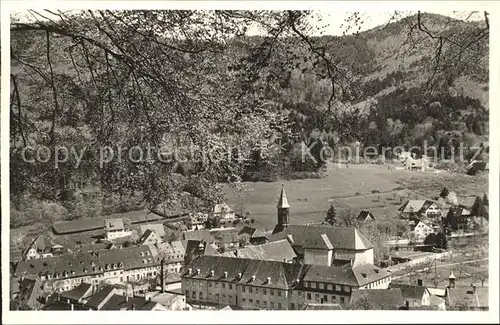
201 295
338 288
316 297
306 284
342 300
230 286
194 294
316 285
264 291
322 286
250 289
334 298
250 301
279 293
272 304
209 284
272 292
347 288
257 302
292 306
257 290
308 296
216 284
279 305
223 285
243 300
242 289
325 298
330 287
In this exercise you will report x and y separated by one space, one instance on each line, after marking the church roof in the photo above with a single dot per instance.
339 237
283 201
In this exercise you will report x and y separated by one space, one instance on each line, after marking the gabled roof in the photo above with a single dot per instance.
364 214
467 296
30 291
415 206
318 242
157 227
146 235
436 300
275 251
380 299
100 296
39 243
199 235
252 232
222 208
253 272
113 224
173 251
283 200
77 293
346 275
410 291
119 302
437 292
339 237
89 263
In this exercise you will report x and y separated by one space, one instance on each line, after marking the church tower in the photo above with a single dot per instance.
283 212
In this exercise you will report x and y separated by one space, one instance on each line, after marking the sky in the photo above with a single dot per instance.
337 18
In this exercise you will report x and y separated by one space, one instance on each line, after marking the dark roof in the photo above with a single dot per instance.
62 305
383 299
354 276
339 237
119 302
282 275
39 243
323 307
317 242
409 291
131 257
99 296
30 290
253 232
193 249
466 296
78 292
364 214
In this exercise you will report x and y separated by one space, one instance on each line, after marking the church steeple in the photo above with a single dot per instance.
283 211
283 201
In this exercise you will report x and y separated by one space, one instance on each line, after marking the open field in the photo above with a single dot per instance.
349 188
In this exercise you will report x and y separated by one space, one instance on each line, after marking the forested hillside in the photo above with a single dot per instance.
124 79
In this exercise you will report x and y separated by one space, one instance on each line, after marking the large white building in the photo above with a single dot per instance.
258 284
322 245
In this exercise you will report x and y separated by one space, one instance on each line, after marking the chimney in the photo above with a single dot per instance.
253 278
419 282
67 301
72 307
473 288
161 277
451 280
240 275
225 274
212 273
198 271
268 279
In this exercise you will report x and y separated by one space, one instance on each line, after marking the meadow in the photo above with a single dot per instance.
373 187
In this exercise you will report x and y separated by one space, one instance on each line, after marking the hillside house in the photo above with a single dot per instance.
156 227
422 209
40 247
421 164
257 236
223 212
150 237
115 228
413 295
458 219
467 298
421 230
365 216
